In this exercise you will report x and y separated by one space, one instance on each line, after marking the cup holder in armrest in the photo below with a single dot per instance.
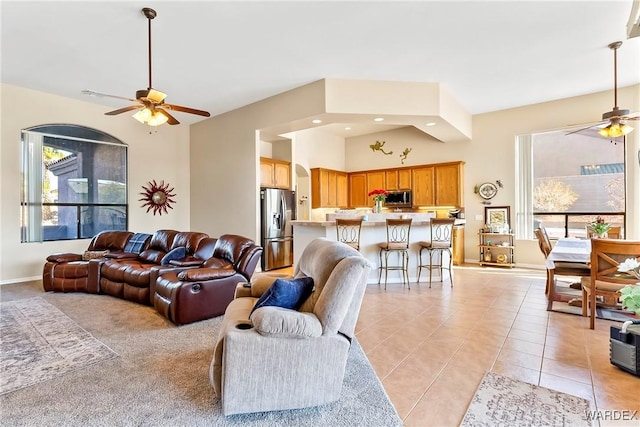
244 326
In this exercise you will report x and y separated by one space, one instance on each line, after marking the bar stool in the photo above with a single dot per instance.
398 242
441 235
348 231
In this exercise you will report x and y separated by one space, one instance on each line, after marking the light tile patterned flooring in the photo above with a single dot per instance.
431 347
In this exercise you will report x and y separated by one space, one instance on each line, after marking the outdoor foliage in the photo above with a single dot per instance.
553 196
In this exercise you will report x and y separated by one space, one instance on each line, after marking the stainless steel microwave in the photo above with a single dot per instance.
398 199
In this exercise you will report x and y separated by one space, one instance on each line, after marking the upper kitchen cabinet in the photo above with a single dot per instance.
375 181
398 179
275 173
328 188
358 190
449 181
423 186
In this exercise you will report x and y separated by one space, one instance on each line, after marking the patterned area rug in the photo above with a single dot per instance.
503 401
39 342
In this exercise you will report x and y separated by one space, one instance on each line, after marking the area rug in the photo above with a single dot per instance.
161 377
39 342
503 401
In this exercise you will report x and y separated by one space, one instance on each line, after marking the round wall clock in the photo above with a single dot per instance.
488 190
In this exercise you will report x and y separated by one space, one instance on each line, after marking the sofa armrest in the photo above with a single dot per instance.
260 282
284 323
121 255
199 274
187 262
242 290
64 257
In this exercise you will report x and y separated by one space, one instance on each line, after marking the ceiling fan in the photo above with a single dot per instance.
617 117
149 102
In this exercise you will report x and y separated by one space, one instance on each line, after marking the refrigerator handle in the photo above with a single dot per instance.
283 210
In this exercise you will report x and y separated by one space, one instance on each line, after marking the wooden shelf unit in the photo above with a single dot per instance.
494 244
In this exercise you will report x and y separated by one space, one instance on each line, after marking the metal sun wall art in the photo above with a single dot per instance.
157 197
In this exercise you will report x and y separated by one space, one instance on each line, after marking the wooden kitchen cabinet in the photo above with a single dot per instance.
328 188
398 179
358 190
448 184
342 190
375 181
423 186
458 245
275 173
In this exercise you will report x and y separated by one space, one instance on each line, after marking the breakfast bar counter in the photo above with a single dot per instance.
373 232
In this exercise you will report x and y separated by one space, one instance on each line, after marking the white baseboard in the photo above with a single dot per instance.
20 280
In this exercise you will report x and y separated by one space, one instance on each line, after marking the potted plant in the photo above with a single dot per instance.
630 294
599 227
379 196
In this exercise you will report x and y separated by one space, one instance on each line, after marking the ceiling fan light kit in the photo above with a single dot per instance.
151 108
617 117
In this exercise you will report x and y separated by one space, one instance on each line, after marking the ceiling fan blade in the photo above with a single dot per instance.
584 128
186 110
171 120
104 95
123 110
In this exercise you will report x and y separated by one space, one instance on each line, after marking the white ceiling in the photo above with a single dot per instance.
218 56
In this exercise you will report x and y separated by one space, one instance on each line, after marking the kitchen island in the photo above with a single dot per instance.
374 231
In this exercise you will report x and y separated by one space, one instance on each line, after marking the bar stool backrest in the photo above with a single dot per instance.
348 231
398 233
442 231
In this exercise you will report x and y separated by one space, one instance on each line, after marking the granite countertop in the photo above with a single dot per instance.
373 220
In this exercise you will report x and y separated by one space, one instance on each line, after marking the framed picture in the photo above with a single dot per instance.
496 216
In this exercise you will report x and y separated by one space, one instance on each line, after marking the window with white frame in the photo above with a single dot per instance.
566 180
74 183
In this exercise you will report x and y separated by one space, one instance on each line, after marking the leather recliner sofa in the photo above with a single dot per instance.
133 279
200 293
134 274
70 272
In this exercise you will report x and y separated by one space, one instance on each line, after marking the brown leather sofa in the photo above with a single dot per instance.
71 272
218 264
189 295
133 279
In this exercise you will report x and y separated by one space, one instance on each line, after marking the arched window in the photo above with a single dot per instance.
74 183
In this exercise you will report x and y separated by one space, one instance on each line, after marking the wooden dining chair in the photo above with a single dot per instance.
605 280
613 233
560 268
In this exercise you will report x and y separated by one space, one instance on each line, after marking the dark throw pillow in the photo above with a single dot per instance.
175 253
286 293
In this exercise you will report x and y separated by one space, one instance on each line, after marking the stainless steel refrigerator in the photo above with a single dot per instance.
278 209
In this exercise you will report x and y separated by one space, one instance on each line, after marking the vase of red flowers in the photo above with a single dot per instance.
379 196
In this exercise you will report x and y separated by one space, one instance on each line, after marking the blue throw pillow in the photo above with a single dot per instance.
175 253
286 293
136 243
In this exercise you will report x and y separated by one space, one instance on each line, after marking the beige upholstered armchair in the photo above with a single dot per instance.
277 358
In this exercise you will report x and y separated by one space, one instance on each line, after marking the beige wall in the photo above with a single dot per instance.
491 156
162 155
214 164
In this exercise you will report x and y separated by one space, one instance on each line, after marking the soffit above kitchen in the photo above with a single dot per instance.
366 106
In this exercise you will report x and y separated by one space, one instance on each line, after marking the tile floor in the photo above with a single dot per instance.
431 347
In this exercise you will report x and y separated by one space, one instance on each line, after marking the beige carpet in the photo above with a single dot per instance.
161 376
39 342
503 401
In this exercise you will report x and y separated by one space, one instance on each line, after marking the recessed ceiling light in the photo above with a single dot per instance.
347 128
316 121
431 124
378 119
